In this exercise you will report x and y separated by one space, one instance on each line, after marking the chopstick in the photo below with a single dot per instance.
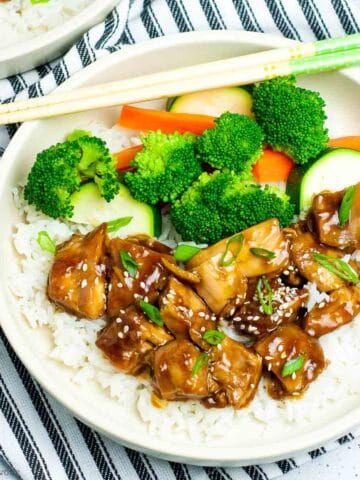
299 59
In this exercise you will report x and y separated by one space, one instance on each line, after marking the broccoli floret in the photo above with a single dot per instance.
60 170
165 167
220 204
235 143
292 118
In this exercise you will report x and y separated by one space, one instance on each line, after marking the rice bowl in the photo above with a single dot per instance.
184 420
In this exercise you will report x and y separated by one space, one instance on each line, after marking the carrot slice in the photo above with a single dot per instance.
352 142
272 167
124 157
167 122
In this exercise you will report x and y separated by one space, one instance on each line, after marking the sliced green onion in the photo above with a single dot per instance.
152 312
200 362
346 204
262 253
292 366
114 225
129 264
236 238
183 253
34 2
337 266
45 242
213 337
266 297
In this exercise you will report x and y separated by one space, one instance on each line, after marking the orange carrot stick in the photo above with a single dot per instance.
352 142
167 122
272 167
124 157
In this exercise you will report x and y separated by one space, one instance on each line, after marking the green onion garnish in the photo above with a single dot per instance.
346 204
34 2
129 264
45 242
200 362
262 253
213 337
266 297
114 225
152 312
236 238
292 366
337 266
183 253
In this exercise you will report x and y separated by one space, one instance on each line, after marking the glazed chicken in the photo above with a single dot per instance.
239 307
290 346
148 279
185 314
325 216
77 276
341 307
250 317
129 339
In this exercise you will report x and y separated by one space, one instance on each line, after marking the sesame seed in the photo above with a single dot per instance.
118 320
321 305
126 328
269 367
119 285
126 274
110 287
202 329
201 314
142 285
165 301
232 311
146 299
96 280
190 313
85 267
83 283
293 375
120 335
280 348
268 357
311 332
286 272
283 355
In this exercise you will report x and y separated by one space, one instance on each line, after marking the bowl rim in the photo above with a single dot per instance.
231 456
72 26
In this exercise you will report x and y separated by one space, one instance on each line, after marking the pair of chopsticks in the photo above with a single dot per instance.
300 59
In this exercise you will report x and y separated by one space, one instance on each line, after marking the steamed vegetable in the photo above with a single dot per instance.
335 170
352 142
145 119
220 204
292 118
235 143
165 167
272 167
126 156
214 102
92 209
60 170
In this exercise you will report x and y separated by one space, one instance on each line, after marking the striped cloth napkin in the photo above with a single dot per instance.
39 439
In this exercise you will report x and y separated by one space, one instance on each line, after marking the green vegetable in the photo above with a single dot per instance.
346 204
213 102
220 204
262 253
183 253
213 337
200 362
60 170
292 366
235 143
152 312
128 263
165 167
292 118
34 2
76 134
334 170
265 297
45 242
236 238
337 266
92 209
115 225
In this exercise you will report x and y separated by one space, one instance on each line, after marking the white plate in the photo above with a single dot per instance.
88 402
28 54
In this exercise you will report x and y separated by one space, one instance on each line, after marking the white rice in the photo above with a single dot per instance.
21 20
74 343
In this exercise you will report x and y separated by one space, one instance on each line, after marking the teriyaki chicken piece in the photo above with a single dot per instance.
77 276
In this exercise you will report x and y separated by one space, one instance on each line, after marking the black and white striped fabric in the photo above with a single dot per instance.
39 439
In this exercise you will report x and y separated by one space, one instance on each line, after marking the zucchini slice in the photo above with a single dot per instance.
335 170
213 102
92 209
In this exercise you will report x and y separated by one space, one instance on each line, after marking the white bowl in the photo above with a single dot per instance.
43 48
88 402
